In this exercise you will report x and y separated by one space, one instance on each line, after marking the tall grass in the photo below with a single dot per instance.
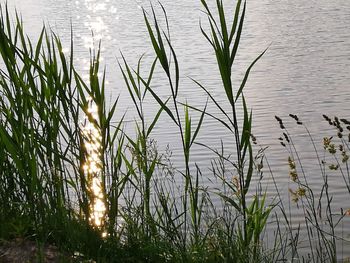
322 222
43 188
151 216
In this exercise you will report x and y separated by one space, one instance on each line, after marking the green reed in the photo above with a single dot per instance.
42 102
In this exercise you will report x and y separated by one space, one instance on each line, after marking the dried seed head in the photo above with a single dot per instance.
291 163
326 117
253 138
286 137
293 175
301 191
280 122
295 117
345 121
235 182
326 142
333 167
295 197
345 157
332 149
336 120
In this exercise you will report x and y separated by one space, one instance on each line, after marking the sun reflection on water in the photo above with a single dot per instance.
94 19
93 165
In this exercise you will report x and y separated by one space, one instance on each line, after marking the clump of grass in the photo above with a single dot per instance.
322 222
224 39
43 188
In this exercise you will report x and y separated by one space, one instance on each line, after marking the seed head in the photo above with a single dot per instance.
293 175
295 197
345 121
332 149
326 117
291 163
333 167
286 137
345 157
295 117
326 142
280 122
301 191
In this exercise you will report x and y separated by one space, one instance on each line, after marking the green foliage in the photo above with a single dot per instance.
43 99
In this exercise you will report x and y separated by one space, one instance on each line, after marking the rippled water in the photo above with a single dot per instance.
305 71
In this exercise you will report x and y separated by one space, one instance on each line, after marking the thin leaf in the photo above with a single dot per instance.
247 74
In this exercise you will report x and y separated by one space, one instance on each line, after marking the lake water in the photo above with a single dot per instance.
306 70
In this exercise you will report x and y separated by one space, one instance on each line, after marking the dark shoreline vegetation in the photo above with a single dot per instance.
150 217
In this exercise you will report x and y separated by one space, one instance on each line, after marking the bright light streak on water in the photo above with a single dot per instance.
93 165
